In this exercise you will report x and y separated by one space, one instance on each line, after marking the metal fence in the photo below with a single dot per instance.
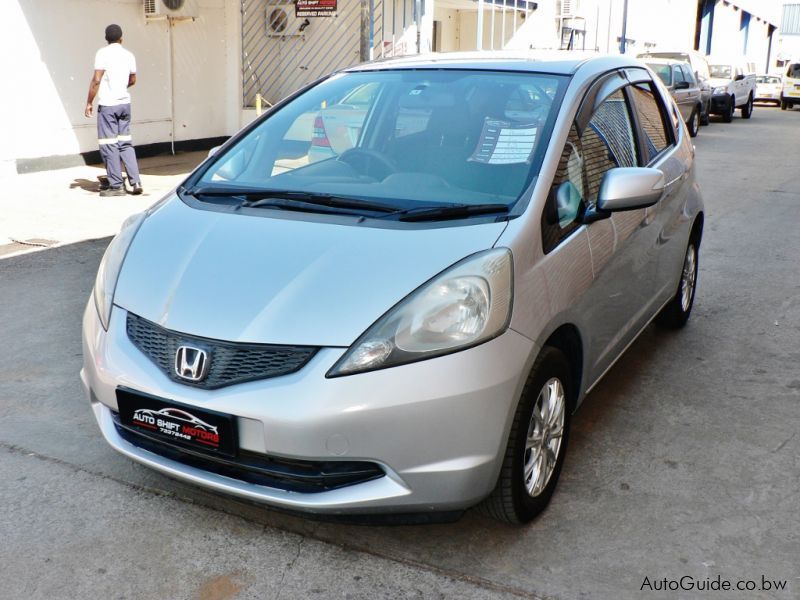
288 43
282 51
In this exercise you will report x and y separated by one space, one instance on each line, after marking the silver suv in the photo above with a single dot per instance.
407 321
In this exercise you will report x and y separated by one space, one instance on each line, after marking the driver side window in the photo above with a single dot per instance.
607 142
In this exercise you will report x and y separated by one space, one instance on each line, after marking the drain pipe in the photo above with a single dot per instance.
171 85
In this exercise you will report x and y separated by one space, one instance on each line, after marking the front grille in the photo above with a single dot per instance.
230 362
304 476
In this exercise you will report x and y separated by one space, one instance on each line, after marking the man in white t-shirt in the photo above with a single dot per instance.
114 73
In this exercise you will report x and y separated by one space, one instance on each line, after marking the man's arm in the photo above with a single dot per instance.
94 85
131 79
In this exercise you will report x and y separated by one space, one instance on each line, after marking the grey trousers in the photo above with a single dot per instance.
116 146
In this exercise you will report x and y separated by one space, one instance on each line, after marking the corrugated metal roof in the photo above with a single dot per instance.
790 22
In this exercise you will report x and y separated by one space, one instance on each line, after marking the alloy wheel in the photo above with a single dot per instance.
545 432
688 277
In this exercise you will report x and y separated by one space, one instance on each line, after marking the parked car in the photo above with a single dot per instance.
701 72
790 93
768 89
734 83
408 326
683 87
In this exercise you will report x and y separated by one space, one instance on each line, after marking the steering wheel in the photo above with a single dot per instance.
364 159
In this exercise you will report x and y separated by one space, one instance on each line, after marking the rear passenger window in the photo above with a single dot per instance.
651 116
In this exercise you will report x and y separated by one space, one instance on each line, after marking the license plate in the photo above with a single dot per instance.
199 429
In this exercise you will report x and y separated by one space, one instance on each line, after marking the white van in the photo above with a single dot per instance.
790 90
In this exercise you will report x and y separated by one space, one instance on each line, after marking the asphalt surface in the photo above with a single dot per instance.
684 460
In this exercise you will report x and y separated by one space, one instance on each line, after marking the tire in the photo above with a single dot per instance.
517 499
705 116
784 104
693 124
677 312
747 109
731 108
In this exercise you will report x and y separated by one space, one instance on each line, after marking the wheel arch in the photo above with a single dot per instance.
697 228
567 339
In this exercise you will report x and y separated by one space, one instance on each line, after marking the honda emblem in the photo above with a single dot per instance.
191 363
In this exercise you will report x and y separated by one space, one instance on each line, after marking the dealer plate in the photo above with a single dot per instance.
199 429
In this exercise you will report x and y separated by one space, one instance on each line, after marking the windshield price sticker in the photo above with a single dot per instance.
504 143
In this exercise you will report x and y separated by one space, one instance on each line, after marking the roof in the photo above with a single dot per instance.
653 60
554 61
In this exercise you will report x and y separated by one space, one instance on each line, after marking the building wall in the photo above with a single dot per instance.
54 43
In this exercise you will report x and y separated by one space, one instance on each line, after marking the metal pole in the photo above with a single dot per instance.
171 86
623 39
515 17
479 28
503 29
418 20
364 45
491 37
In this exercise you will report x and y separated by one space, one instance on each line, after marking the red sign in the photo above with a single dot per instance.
315 8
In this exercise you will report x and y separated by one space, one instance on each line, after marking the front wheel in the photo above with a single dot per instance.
747 109
730 109
537 442
705 116
784 104
694 123
677 312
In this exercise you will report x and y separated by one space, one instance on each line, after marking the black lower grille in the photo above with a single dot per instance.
230 362
302 476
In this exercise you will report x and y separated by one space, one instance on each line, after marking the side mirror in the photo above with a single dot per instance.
739 77
682 85
629 188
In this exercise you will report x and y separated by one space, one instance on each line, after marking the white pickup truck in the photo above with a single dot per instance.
734 86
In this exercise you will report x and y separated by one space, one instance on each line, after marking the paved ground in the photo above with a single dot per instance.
61 207
684 460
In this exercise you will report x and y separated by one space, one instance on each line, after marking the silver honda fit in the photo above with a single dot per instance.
390 293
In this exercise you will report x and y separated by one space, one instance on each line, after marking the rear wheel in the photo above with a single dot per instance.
694 122
747 109
675 314
729 110
537 442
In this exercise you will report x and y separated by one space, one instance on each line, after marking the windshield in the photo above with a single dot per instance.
663 71
720 71
766 79
409 139
793 71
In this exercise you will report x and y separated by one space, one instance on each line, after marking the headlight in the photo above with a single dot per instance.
720 90
465 305
107 274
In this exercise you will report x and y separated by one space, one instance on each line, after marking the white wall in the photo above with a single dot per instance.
53 45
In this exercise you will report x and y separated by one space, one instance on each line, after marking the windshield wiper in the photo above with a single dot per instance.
451 211
256 198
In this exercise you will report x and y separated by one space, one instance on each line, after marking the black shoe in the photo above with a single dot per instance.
120 191
104 184
136 189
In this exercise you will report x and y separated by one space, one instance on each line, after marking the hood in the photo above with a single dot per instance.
717 82
278 280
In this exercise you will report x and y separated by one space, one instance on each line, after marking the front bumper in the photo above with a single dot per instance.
720 104
437 428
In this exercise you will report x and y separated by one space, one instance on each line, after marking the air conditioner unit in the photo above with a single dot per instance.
176 9
283 22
